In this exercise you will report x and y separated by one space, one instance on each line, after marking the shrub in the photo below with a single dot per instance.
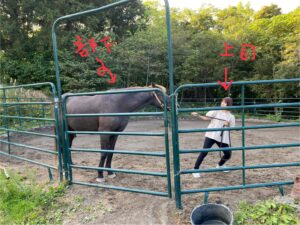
266 213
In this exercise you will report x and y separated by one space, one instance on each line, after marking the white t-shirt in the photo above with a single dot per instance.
215 123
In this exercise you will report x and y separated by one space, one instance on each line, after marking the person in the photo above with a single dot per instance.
218 119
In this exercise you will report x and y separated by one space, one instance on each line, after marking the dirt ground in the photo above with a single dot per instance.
89 205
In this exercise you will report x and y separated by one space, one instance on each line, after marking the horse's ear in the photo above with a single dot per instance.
161 88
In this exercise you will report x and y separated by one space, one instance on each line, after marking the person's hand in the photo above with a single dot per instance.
194 114
226 124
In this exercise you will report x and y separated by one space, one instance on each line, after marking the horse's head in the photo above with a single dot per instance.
158 97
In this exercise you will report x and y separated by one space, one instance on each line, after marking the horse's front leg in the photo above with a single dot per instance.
113 140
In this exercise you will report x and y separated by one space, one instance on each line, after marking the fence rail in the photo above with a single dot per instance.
15 115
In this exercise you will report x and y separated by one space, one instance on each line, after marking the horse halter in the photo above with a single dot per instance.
161 104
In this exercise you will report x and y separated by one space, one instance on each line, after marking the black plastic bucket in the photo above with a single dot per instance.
211 214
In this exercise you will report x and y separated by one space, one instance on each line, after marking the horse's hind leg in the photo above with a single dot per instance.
104 145
100 177
71 138
113 140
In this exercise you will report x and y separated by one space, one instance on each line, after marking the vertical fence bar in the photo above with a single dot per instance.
254 110
173 110
19 113
44 116
50 174
243 133
59 135
66 143
176 154
166 125
206 196
31 110
6 120
281 190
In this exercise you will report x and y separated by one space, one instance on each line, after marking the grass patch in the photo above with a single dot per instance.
267 213
22 201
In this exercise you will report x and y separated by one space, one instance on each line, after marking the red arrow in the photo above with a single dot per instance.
113 78
224 84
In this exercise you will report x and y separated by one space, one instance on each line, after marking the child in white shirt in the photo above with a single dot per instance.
219 119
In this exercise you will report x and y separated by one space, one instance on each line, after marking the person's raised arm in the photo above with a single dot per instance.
199 116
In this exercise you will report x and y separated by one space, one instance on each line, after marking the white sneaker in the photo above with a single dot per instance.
196 175
111 176
100 180
223 167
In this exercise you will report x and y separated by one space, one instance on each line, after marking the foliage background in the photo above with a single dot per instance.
139 51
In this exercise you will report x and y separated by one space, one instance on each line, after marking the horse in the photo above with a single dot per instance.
109 103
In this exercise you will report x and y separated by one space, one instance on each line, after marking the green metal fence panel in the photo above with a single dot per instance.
162 154
58 82
177 151
49 116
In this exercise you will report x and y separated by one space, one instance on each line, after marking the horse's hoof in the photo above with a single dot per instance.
100 180
112 175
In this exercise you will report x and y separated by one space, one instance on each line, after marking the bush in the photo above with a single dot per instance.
266 213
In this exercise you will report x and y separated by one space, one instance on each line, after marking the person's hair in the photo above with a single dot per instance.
228 101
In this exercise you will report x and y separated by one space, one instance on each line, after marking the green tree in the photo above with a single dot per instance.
268 12
26 34
233 21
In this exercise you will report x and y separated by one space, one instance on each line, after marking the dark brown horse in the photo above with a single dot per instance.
109 103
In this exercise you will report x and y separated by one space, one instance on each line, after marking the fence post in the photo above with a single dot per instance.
65 140
166 125
243 132
173 110
58 131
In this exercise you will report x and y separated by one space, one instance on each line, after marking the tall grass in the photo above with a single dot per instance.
22 201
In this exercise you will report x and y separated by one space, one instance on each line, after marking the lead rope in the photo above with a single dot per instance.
158 100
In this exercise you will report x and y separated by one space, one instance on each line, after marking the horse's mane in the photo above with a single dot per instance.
140 87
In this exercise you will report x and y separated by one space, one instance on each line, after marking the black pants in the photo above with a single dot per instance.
208 143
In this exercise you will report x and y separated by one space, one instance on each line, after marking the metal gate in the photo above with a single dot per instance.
161 154
177 150
65 140
22 115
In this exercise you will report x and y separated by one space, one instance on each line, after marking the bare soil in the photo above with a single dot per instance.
90 205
